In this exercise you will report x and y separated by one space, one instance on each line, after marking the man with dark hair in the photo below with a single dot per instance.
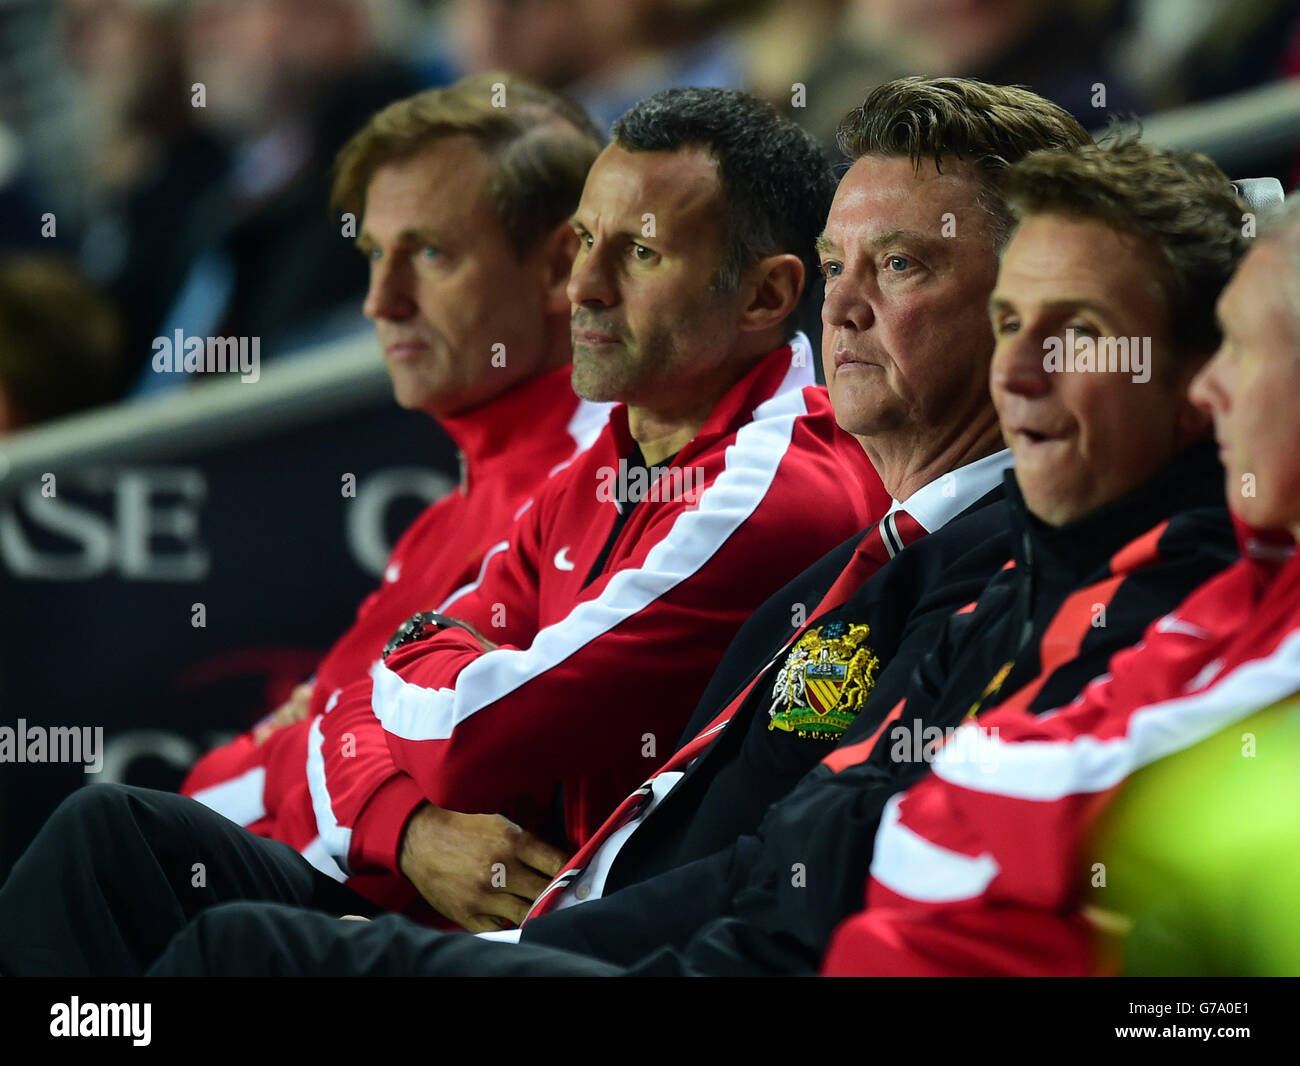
1093 558
766 208
609 607
444 177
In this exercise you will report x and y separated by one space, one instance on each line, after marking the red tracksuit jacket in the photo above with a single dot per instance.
510 445
976 873
593 682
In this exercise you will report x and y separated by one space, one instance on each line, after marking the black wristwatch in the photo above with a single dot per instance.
421 627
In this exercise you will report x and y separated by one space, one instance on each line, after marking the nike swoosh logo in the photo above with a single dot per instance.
562 560
1170 624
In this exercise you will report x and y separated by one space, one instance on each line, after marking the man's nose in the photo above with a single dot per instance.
390 292
847 304
1020 366
1205 390
590 282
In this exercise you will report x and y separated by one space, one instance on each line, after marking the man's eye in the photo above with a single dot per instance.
831 269
1082 329
1007 325
373 254
430 251
896 264
642 253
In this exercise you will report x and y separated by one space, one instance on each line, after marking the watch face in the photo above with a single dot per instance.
418 627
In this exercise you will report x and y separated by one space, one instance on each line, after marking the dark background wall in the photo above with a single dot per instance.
99 582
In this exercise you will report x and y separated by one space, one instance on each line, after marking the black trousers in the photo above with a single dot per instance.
125 880
271 939
118 871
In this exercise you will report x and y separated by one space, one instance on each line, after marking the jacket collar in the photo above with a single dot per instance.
937 503
535 410
1073 551
1265 551
780 371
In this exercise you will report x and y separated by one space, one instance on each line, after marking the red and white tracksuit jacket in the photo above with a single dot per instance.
592 683
981 873
509 447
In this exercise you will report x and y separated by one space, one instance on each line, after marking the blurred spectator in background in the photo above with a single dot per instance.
60 342
606 55
800 58
282 83
1047 45
1245 43
1191 51
145 160
208 124
1241 44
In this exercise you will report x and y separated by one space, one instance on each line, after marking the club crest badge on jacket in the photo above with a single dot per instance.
826 677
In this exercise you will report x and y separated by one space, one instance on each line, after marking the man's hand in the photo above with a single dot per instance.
294 709
480 870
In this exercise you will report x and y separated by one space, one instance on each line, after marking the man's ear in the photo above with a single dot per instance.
557 252
776 283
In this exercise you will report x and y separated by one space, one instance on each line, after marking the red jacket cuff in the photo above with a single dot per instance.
377 834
